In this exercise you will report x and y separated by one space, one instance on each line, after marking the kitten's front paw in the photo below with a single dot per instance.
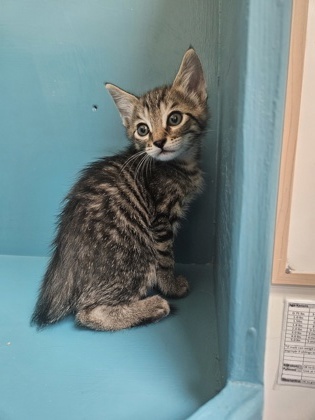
181 287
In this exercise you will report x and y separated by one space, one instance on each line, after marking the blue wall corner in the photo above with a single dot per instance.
237 401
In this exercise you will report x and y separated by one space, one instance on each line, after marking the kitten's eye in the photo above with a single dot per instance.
142 130
175 118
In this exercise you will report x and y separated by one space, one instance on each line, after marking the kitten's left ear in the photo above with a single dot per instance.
190 76
124 101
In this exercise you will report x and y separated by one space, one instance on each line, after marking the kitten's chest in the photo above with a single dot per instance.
177 187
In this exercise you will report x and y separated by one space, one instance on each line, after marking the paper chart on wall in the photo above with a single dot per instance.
297 354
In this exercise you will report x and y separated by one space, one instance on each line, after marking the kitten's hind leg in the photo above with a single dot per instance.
168 284
112 318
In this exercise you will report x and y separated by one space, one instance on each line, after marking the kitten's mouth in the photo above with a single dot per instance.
167 154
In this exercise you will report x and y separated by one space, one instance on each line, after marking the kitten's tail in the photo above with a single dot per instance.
55 296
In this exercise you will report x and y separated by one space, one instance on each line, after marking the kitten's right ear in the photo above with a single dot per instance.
124 101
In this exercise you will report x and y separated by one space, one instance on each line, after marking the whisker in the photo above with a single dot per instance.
148 163
139 166
131 159
143 169
144 166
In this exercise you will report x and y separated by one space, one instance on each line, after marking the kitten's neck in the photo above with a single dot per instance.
192 155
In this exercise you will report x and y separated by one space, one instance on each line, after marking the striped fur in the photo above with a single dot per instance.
115 237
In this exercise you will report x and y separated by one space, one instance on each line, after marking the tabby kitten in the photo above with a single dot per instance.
115 236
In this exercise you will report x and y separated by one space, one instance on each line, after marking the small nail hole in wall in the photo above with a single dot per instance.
94 108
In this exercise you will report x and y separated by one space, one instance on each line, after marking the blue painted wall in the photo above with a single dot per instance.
55 57
254 39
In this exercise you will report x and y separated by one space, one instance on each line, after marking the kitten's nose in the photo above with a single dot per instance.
159 143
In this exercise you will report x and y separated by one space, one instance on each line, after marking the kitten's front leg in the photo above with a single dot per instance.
168 284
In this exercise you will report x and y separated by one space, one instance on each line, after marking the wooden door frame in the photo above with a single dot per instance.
282 273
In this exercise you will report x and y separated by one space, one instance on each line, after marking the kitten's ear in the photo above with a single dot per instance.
190 76
124 101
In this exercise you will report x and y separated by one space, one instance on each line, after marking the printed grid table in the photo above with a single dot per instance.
297 363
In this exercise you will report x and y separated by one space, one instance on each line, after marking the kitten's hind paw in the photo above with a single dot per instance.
173 287
181 287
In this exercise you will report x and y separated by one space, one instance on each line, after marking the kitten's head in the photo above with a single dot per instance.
167 122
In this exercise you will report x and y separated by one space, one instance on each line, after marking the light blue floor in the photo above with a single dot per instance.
162 371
